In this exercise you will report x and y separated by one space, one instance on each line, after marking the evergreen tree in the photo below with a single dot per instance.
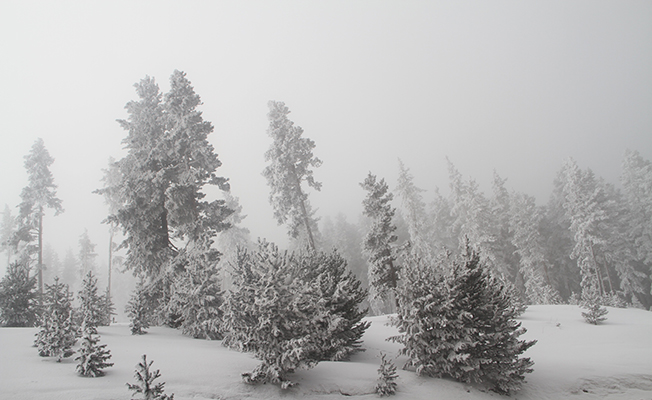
291 162
637 189
387 380
91 304
586 207
377 244
534 267
18 302
461 324
92 357
145 382
51 264
137 309
87 254
414 211
162 207
637 184
502 246
39 194
107 309
69 269
595 311
442 223
558 243
112 198
169 160
196 294
347 239
6 232
473 220
58 331
337 293
228 241
292 311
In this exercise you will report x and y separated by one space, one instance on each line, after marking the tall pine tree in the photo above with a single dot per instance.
39 194
378 242
169 161
290 164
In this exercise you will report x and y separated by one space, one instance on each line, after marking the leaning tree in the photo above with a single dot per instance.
290 165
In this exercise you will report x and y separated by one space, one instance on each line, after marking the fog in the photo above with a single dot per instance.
516 87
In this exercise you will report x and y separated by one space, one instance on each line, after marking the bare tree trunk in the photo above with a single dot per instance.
306 217
306 221
108 290
40 254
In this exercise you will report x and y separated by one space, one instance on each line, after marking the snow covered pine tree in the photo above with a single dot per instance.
92 357
292 311
460 324
145 382
386 382
91 304
58 332
18 303
137 310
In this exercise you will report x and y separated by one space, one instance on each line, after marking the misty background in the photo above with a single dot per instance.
505 86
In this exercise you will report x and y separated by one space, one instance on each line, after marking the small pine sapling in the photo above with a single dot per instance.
92 358
145 382
596 312
387 380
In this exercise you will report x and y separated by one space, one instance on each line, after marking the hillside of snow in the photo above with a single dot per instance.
573 359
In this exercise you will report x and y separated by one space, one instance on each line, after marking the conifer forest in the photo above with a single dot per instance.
412 207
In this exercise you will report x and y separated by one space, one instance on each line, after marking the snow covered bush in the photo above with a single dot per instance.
457 320
18 305
292 311
92 357
145 382
58 332
137 310
386 382
595 311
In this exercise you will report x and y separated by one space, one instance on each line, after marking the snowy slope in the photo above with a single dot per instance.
572 360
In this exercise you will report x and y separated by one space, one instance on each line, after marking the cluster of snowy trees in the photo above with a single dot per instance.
61 325
456 271
290 309
589 237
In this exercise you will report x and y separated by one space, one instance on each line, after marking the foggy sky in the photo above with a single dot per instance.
513 86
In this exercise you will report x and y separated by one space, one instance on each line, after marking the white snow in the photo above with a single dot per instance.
573 359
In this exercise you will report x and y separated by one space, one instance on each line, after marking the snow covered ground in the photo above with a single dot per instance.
572 360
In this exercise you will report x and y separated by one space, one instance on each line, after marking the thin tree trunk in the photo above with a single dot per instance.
598 272
306 222
40 254
108 290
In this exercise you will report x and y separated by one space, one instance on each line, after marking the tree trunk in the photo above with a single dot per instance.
307 223
108 290
306 217
40 254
